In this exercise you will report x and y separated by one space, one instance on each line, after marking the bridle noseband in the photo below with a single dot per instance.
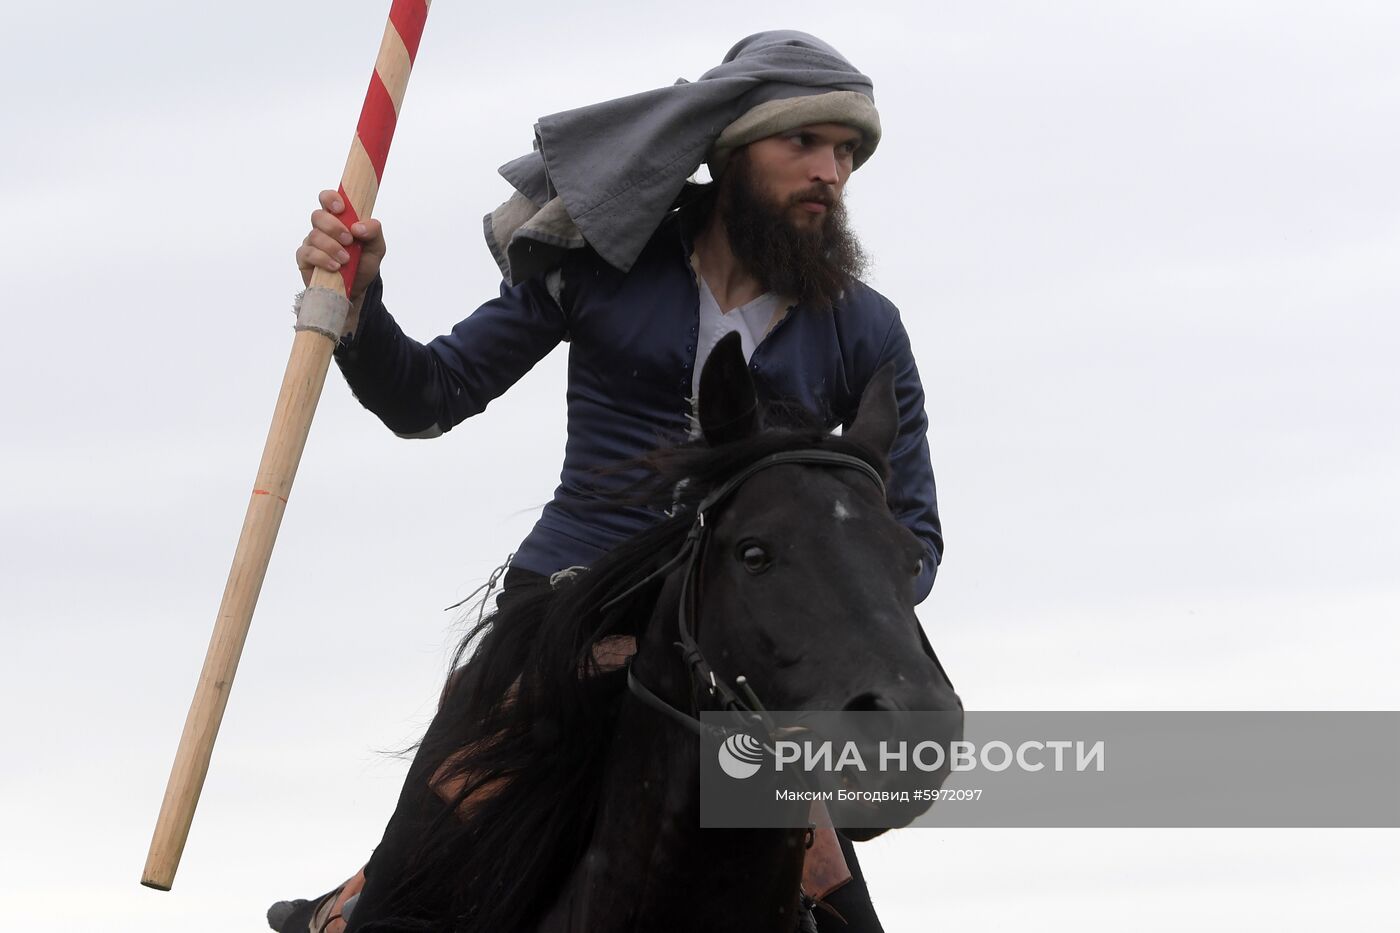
689 556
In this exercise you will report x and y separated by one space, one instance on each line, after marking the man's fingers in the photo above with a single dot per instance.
330 200
328 224
308 259
367 229
309 256
328 245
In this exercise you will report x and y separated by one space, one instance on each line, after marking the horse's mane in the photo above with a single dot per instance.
534 710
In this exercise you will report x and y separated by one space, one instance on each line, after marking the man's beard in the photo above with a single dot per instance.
813 266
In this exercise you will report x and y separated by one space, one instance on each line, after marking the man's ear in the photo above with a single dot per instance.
877 416
728 400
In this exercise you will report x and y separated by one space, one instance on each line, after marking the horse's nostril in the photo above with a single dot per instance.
870 703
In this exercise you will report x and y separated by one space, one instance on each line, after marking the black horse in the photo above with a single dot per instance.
550 794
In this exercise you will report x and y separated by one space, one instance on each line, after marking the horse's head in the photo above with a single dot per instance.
803 583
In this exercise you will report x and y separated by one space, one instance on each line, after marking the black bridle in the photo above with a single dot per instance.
689 556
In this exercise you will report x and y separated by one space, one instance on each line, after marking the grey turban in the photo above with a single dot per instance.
606 175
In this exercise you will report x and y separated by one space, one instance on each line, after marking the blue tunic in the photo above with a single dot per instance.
632 340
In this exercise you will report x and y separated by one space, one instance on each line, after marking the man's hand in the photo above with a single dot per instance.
324 247
331 917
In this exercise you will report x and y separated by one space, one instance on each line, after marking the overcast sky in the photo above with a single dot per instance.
1147 255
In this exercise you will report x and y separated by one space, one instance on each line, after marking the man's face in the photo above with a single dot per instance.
780 199
805 169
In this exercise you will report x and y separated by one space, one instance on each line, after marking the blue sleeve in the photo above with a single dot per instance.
420 390
911 491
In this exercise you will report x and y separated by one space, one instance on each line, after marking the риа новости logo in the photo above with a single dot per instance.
740 755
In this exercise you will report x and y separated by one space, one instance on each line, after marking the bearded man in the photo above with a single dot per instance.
606 244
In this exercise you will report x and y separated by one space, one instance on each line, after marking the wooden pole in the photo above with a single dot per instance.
320 323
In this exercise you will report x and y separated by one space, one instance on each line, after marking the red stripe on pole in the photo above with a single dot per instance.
408 17
377 119
349 217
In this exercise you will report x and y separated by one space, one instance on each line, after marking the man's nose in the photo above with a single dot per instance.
825 167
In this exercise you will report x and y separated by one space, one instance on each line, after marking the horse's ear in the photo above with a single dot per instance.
877 417
728 401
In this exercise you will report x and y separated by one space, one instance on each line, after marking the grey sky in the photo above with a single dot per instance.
1147 257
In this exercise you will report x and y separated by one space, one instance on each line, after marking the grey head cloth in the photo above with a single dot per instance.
606 175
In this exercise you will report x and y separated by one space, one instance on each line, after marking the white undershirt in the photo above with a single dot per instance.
751 321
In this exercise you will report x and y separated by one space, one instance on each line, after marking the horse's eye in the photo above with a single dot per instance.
918 566
754 558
